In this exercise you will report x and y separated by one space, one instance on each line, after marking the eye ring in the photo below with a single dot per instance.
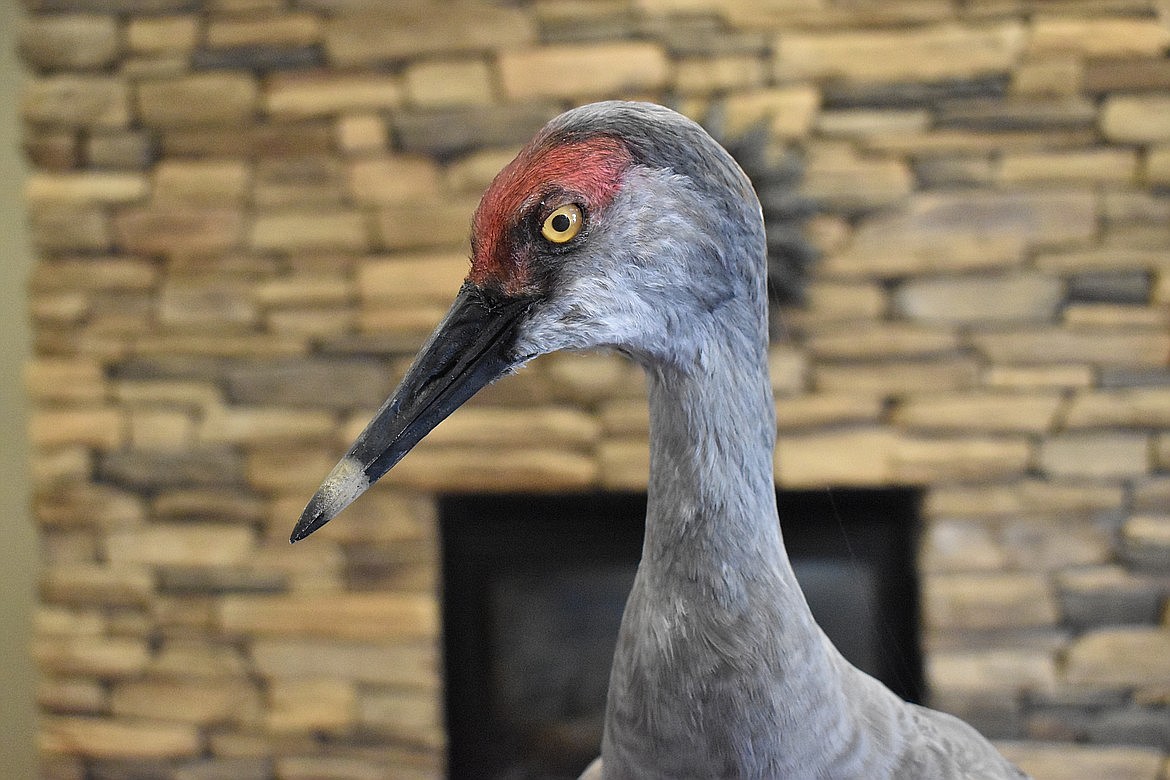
563 224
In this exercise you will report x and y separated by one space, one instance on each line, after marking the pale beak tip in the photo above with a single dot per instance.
345 483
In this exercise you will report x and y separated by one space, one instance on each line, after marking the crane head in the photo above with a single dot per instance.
621 225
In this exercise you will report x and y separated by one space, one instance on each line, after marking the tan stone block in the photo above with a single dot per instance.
537 469
867 123
312 181
789 110
54 621
413 716
205 301
123 274
1104 315
102 428
928 53
293 231
1123 657
192 394
1033 498
89 505
311 705
846 181
881 340
1098 166
589 378
437 83
198 702
162 34
323 94
1136 118
197 658
115 739
58 379
82 189
208 182
289 469
99 656
285 29
1099 36
979 411
235 425
1101 346
445 223
70 229
826 409
1106 258
624 463
412 665
412 279
409 30
728 72
161 430
360 133
1000 669
1051 75
858 456
72 696
896 377
1146 541
574 71
828 301
343 616
918 460
492 428
304 290
1158 165
1017 297
181 544
1083 762
988 601
99 585
198 100
1096 455
472 174
76 101
393 180
962 545
69 41
1143 407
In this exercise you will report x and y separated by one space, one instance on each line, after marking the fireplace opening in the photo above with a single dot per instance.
535 585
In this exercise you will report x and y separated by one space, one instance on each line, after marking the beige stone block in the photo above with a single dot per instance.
308 181
62 379
1056 74
624 463
980 299
116 739
198 658
827 409
101 427
162 34
1033 498
1105 258
69 41
1000 669
180 229
72 696
392 180
860 456
988 601
1097 166
867 123
304 290
575 71
323 94
853 341
498 428
245 426
1146 541
208 302
198 702
359 133
1158 165
70 229
1142 407
962 545
161 430
180 544
1101 346
928 53
412 665
293 231
76 101
1083 762
537 469
919 460
1096 455
1136 118
829 301
311 705
84 189
895 377
445 223
1104 315
414 716
197 100
470 175
97 585
1099 36
979 411
98 656
412 279
589 378
789 110
625 417
342 616
285 29
208 182
432 84
123 274
289 469
410 30
91 505
1123 657
724 73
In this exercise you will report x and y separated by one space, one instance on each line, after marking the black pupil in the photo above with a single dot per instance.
561 222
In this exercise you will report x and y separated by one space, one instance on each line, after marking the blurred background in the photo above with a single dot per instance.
246 215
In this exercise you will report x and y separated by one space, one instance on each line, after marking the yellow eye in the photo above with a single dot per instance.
563 224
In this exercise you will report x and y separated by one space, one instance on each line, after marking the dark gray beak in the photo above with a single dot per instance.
470 348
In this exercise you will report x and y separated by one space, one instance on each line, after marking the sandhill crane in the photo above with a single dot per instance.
624 225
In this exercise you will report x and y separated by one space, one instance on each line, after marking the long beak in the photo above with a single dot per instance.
471 347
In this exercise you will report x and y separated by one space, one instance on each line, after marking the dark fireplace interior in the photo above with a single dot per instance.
534 591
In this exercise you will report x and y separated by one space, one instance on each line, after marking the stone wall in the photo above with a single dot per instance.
249 212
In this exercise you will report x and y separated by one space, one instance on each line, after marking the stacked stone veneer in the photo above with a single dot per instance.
249 212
